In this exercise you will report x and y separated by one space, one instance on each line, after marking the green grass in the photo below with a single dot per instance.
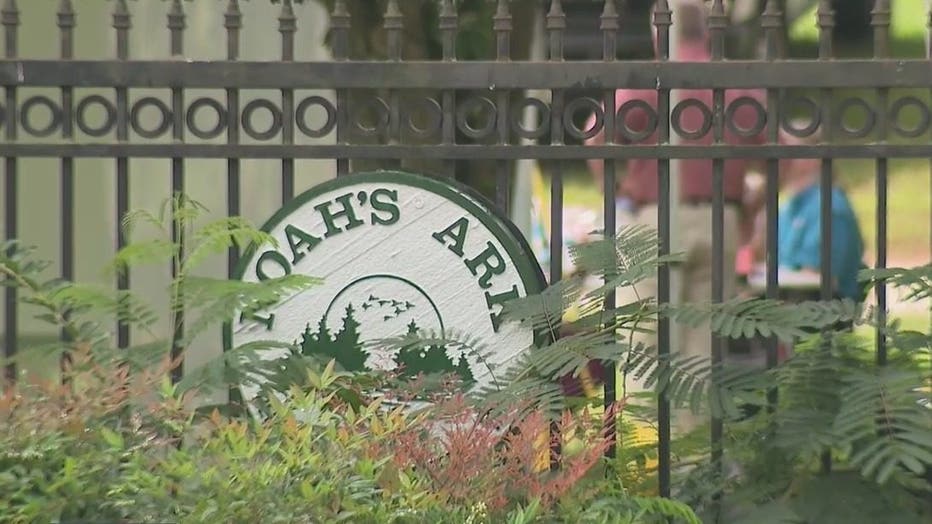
909 207
907 25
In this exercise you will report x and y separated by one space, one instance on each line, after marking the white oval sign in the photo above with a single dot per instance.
398 254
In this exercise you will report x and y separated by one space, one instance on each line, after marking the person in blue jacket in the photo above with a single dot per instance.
800 224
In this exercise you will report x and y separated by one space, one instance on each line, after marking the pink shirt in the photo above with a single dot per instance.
640 184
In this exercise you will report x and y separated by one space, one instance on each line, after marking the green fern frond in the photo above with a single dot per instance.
18 265
740 318
156 251
245 365
525 395
545 310
881 417
810 387
629 257
133 219
666 508
218 301
570 355
917 280
79 299
219 236
694 381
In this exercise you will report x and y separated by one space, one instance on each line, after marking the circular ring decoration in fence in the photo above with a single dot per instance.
759 112
191 118
677 115
621 120
109 118
870 117
382 117
434 116
165 117
483 106
573 108
896 111
55 115
274 127
517 118
811 108
399 255
301 116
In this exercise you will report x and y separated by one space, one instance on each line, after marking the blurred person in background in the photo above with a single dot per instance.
799 246
639 189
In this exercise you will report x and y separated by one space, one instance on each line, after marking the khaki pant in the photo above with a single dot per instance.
694 233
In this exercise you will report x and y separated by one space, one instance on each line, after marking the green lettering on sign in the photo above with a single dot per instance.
457 232
300 241
346 212
272 256
492 263
498 300
389 206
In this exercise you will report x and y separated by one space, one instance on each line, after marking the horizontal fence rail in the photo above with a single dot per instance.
449 110
469 74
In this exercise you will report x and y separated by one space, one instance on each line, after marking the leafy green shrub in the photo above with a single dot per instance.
92 449
117 440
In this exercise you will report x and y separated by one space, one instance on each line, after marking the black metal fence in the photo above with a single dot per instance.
471 110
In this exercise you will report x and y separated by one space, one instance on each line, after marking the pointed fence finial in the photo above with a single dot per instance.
287 21
880 20
121 17
718 22
9 18
287 26
65 14
122 24
929 26
448 25
176 26
501 24
772 22
66 25
663 19
340 23
826 23
394 25
608 20
608 24
233 22
556 24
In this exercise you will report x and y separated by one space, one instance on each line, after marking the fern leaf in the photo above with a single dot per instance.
134 218
78 299
220 301
762 317
882 418
668 509
217 237
543 311
694 381
918 281
143 253
246 365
